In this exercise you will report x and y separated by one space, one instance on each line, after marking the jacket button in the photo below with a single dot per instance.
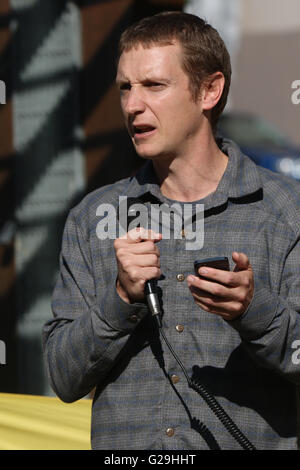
179 328
170 432
180 277
175 379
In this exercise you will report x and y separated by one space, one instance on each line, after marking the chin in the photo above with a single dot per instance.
147 154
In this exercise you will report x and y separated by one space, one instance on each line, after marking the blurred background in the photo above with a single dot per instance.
62 136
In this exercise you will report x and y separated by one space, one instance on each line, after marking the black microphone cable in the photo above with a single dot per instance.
210 400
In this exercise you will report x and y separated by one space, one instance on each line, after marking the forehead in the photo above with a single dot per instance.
141 61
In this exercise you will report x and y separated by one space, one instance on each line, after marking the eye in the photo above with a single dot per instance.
155 86
124 87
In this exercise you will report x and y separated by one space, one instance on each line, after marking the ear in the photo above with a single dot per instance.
212 90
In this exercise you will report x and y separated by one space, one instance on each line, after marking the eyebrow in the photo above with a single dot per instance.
121 81
146 80
152 78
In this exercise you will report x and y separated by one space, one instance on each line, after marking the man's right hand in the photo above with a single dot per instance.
138 261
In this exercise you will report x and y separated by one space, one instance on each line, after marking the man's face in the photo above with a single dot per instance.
160 115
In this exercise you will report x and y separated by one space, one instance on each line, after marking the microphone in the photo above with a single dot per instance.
151 291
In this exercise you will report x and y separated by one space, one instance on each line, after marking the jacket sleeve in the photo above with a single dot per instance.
86 335
270 328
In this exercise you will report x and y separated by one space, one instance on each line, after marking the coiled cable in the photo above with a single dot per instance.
210 400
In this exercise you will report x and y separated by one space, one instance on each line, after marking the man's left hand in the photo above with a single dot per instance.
225 293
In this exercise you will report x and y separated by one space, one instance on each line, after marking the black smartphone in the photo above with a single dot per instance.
220 262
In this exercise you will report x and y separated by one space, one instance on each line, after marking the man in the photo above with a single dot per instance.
234 331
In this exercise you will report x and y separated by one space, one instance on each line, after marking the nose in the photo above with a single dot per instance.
133 102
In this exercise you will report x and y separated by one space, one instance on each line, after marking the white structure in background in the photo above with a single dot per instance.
225 16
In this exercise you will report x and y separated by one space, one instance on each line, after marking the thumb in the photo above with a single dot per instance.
241 261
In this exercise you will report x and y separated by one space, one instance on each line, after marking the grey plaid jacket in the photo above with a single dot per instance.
251 365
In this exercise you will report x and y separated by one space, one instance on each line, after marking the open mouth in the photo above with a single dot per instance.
143 131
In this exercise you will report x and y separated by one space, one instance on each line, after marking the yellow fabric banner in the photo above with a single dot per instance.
29 422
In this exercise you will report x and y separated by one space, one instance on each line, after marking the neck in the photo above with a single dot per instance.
193 176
